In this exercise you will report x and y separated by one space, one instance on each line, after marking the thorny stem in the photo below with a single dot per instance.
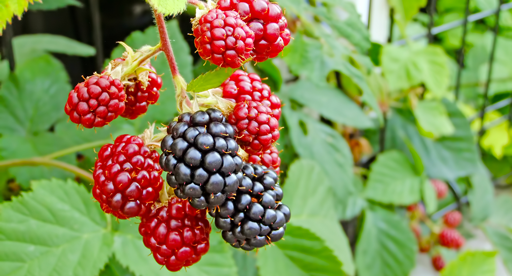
179 82
197 3
42 161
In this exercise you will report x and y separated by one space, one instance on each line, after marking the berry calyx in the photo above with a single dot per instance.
96 101
127 177
441 188
269 158
424 245
452 219
139 95
223 38
451 238
256 127
268 23
178 235
438 262
243 87
254 216
200 154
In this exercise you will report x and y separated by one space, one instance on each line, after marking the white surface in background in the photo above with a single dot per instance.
379 31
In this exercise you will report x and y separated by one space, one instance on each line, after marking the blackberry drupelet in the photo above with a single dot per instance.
200 154
255 216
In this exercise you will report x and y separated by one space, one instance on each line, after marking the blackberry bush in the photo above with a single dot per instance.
200 156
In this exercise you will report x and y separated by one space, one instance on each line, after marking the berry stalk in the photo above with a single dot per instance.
38 161
78 148
179 83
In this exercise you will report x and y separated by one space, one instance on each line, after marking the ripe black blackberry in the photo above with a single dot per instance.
200 154
254 217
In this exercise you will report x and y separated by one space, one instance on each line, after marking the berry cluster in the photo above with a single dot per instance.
254 217
237 30
100 99
200 154
220 159
441 234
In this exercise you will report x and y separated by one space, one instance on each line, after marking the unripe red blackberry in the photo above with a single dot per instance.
96 101
451 238
178 235
140 96
438 262
269 158
200 154
268 23
256 127
255 216
127 177
243 87
440 187
452 219
223 38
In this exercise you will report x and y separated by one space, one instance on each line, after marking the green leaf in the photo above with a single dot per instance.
131 253
405 10
501 214
167 7
472 263
354 204
316 211
31 101
448 157
55 230
27 47
212 79
33 98
418 163
333 152
302 253
4 70
330 102
410 66
165 110
432 119
429 196
481 194
502 240
114 268
54 4
11 8
386 246
393 180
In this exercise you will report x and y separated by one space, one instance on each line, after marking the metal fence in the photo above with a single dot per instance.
461 198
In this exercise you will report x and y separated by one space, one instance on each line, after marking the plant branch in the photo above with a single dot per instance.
179 83
42 161
166 43
74 149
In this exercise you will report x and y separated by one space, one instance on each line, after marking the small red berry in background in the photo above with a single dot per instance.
424 245
441 188
438 262
96 101
177 234
452 219
451 238
127 177
140 96
222 38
